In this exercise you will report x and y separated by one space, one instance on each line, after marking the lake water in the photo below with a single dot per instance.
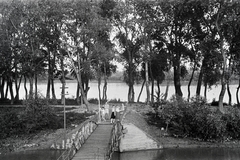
120 91
164 154
32 155
181 154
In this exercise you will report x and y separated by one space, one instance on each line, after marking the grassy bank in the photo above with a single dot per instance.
35 124
145 118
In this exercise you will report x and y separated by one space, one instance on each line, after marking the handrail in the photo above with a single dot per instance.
111 143
85 130
117 132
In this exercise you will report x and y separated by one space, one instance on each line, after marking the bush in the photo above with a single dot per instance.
93 101
232 117
199 120
74 118
10 124
38 115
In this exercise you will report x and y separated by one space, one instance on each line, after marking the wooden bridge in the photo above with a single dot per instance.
93 141
96 146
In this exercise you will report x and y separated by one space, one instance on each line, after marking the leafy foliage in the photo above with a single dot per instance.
199 120
10 124
38 115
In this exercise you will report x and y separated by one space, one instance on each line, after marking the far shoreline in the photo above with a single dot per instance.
164 83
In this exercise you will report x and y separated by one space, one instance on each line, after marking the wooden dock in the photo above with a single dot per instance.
96 146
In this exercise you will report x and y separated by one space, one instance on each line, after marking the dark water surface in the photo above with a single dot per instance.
33 155
182 154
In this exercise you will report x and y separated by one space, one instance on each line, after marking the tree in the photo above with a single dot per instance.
145 22
49 27
84 32
5 50
176 37
226 14
231 32
129 41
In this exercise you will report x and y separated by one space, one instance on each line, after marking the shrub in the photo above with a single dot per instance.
74 118
197 119
38 115
93 100
10 124
232 117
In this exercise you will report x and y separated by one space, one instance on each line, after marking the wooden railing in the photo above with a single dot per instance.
117 132
85 131
78 139
112 143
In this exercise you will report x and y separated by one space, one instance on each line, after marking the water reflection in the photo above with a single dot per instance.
32 155
181 154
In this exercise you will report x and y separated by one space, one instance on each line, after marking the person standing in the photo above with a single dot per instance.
118 113
103 114
113 114
106 106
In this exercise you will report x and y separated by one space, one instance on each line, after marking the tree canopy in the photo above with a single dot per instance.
46 37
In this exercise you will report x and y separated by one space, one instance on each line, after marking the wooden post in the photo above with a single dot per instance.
64 112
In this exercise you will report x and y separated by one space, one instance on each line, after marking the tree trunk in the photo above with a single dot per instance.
49 78
152 79
105 84
25 87
190 81
131 93
36 88
205 91
177 81
229 95
53 89
224 66
223 79
152 92
82 91
99 89
99 83
62 81
199 83
48 88
79 79
16 85
131 83
147 82
52 76
166 91
138 100
105 90
78 95
11 90
6 91
30 87
17 88
86 88
159 91
237 97
221 96
2 84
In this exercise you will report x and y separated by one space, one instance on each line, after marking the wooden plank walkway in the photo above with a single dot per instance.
96 146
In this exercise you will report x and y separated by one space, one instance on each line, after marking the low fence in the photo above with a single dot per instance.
78 139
